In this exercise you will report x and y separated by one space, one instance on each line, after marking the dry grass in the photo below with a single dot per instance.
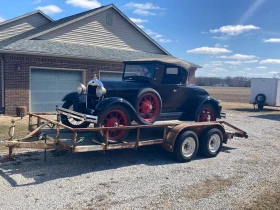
230 94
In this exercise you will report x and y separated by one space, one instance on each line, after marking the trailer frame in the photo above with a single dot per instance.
170 133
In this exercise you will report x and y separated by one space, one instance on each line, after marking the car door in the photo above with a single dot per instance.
171 90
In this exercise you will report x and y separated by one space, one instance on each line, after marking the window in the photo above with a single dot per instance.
109 19
172 75
139 70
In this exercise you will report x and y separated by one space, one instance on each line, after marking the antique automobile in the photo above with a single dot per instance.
150 90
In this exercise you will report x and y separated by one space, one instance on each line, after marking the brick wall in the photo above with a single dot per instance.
17 80
0 87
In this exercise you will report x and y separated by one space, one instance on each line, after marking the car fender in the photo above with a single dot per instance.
210 100
117 100
77 99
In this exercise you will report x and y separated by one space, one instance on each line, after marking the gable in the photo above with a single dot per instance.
21 25
95 31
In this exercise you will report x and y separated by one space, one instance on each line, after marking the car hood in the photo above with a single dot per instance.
124 85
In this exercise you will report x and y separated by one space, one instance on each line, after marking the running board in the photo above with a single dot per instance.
170 116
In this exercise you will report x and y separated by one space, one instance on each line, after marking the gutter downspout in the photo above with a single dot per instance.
2 84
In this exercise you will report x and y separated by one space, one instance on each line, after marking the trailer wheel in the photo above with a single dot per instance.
186 146
211 142
113 116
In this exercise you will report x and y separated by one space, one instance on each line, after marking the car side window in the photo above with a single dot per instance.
172 75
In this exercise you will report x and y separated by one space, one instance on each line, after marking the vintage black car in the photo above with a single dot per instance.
150 90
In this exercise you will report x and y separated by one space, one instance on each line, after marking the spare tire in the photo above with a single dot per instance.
260 99
148 106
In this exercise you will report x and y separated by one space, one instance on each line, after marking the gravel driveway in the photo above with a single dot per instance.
246 174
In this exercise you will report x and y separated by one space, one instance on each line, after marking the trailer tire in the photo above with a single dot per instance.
211 142
186 146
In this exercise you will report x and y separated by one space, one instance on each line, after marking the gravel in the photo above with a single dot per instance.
150 178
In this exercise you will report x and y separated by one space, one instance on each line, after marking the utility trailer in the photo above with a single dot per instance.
184 139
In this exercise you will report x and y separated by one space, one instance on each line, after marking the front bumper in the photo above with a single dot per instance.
77 115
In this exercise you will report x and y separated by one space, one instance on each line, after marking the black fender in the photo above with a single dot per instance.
210 100
120 101
76 98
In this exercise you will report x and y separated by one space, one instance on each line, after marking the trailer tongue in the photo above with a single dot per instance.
182 138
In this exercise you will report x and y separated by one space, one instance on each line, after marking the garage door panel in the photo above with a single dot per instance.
48 87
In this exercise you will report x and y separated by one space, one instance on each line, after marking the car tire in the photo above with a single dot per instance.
115 115
74 123
148 106
202 115
210 142
186 146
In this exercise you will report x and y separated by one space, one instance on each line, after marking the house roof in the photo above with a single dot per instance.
26 15
26 42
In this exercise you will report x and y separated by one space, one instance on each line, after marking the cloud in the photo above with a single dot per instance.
150 32
240 62
85 4
140 26
36 1
219 70
273 72
270 61
248 69
138 20
165 40
1 19
213 64
50 9
239 57
272 40
209 50
233 30
143 9
262 67
220 37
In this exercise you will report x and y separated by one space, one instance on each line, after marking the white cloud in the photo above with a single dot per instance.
226 46
272 40
233 62
165 40
262 67
138 20
233 30
273 72
158 36
150 32
219 70
36 1
1 19
270 61
220 37
213 64
144 12
211 74
50 9
85 4
140 26
143 9
248 69
240 71
209 50
239 57
252 61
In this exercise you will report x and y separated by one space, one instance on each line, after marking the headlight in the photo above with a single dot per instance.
81 88
100 90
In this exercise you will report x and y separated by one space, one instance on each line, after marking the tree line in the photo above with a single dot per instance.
226 81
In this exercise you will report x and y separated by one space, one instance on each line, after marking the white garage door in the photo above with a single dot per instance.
113 76
48 87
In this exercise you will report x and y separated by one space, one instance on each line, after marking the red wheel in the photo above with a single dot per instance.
205 112
148 107
114 116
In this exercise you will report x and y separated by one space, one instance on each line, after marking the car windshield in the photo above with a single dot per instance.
134 71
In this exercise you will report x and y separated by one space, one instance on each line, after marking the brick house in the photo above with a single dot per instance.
41 59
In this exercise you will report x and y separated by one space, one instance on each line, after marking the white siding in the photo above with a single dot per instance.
21 25
95 31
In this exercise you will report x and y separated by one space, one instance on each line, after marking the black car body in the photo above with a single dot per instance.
150 90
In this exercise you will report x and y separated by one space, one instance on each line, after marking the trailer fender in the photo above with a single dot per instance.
117 100
197 127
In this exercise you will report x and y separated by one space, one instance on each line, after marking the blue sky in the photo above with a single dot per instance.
226 37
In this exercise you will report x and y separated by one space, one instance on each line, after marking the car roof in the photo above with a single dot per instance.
167 60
